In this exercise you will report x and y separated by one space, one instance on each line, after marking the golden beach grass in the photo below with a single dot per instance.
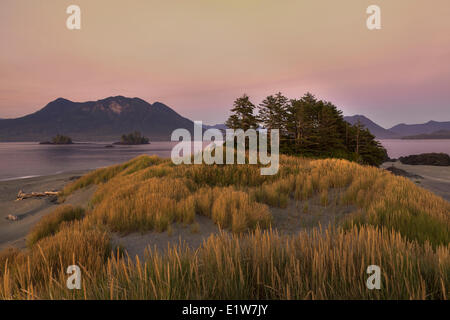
397 225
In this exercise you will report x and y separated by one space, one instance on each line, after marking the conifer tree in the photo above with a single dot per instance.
309 127
242 115
273 113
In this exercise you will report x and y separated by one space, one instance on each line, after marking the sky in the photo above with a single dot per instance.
198 56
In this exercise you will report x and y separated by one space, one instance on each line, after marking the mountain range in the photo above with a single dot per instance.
374 128
109 118
401 130
102 120
425 128
429 130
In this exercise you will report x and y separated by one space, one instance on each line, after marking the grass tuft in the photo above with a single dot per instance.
50 224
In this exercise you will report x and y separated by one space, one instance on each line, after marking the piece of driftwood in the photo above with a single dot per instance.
11 217
21 195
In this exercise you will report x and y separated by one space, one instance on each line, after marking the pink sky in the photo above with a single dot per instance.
197 56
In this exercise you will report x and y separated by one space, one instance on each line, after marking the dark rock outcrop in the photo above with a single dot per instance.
427 159
403 173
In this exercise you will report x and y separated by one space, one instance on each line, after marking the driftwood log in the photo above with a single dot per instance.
21 195
11 217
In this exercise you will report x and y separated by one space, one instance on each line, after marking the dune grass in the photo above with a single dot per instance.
51 223
397 225
324 264
103 175
40 270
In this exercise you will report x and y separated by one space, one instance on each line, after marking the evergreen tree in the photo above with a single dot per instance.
310 127
60 139
273 113
364 146
331 129
243 115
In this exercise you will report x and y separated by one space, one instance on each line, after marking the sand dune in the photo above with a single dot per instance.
30 211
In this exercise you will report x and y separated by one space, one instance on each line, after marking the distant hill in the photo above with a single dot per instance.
374 128
416 129
441 134
102 120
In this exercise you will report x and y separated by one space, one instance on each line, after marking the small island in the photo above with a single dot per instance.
427 159
134 138
58 139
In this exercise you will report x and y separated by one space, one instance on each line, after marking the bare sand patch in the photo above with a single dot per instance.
191 235
305 215
296 217
30 211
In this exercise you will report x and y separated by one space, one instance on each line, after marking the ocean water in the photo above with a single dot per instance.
398 148
29 159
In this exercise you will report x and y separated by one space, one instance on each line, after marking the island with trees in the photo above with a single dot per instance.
134 138
309 127
59 140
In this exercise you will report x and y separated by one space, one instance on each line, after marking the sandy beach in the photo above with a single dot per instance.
434 178
30 211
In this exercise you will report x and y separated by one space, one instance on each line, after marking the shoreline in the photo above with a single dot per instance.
433 178
30 211
71 172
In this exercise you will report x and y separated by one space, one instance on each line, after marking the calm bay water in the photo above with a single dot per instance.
27 159
398 148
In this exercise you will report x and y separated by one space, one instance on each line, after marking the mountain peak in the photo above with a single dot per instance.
360 116
357 117
60 99
374 128
101 120
115 98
